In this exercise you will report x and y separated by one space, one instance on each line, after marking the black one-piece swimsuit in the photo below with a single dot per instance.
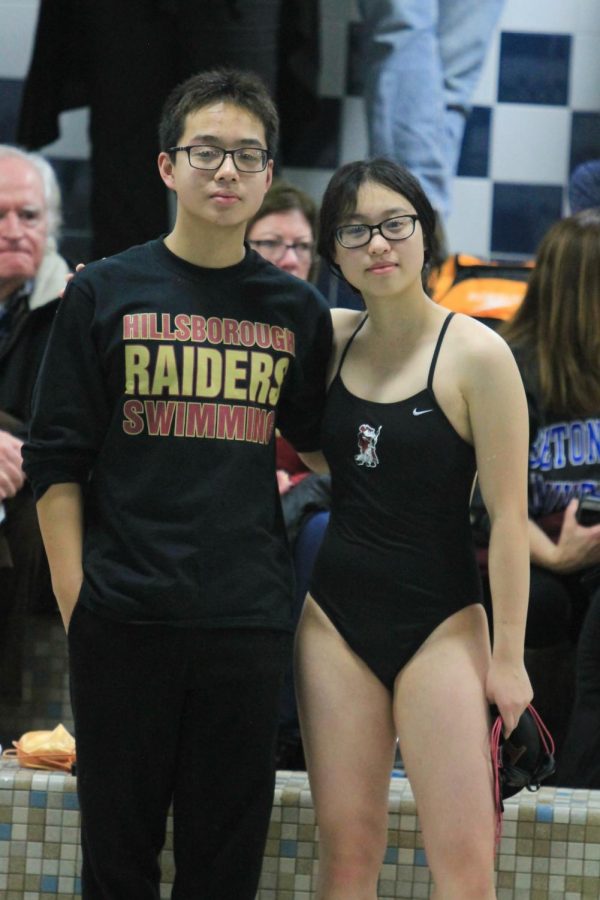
397 558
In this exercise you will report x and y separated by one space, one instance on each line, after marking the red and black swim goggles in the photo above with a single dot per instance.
523 760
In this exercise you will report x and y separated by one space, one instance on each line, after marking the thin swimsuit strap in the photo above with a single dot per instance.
436 353
347 347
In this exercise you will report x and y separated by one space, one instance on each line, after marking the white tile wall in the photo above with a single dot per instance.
73 142
17 29
354 140
469 224
487 89
587 19
530 143
585 74
533 15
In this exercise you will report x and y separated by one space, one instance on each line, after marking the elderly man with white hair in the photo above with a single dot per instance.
32 275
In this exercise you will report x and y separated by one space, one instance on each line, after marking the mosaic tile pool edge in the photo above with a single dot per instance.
550 847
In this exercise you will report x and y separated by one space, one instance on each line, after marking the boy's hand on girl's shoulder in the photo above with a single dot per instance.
70 275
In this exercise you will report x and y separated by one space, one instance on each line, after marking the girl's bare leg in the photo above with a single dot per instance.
442 719
349 741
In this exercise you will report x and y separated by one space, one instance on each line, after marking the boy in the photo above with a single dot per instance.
152 456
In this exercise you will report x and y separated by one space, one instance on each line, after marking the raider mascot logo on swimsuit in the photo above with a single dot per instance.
367 440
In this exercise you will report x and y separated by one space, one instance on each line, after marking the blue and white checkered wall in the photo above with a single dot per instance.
536 115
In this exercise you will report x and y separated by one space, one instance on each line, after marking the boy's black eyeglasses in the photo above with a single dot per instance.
399 228
204 156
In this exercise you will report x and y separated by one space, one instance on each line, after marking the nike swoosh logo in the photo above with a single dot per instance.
420 412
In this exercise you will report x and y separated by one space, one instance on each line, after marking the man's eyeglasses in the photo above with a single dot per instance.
397 229
275 249
204 156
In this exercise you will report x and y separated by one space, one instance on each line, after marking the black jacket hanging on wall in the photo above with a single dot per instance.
59 74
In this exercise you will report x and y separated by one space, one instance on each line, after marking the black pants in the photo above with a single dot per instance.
187 716
579 763
24 587
557 606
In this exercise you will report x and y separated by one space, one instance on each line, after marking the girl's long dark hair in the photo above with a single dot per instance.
558 323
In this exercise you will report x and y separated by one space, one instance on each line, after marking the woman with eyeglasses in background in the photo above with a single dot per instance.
284 232
285 228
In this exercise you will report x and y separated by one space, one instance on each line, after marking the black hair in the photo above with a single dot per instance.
243 89
339 202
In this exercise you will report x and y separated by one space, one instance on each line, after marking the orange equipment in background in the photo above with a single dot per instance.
491 291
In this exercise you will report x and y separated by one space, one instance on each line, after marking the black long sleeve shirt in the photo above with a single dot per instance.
159 394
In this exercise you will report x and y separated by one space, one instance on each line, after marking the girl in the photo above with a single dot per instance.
555 337
393 639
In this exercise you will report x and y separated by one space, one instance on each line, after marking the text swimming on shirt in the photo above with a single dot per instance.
218 421
214 372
